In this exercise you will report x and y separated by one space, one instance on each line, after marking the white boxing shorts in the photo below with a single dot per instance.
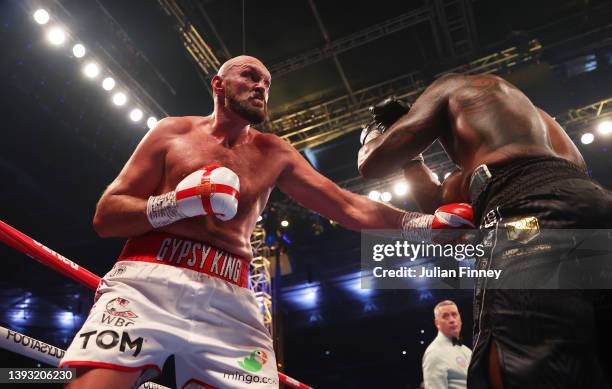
171 296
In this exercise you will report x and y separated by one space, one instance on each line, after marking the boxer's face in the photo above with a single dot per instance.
449 321
246 91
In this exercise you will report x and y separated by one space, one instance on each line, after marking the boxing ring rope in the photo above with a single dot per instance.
39 252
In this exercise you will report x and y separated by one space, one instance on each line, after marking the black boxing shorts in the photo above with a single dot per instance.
545 338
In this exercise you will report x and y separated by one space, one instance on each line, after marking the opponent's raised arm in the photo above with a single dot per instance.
121 210
384 152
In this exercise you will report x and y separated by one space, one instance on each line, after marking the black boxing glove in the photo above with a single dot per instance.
384 114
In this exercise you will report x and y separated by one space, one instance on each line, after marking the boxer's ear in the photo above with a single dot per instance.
217 86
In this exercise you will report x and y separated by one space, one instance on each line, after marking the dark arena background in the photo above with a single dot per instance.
64 140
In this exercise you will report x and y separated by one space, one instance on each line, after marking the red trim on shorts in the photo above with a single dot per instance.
110 366
163 248
206 386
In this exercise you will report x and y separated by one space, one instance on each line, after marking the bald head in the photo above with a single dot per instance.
241 62
242 85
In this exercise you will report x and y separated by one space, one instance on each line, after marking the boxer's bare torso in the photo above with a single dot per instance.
478 119
255 158
179 146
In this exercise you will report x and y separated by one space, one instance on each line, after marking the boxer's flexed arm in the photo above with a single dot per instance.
121 210
316 192
411 134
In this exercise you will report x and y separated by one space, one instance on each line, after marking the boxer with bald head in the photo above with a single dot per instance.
188 200
515 165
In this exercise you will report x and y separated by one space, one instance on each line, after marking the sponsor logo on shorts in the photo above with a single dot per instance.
151 385
109 339
250 378
487 240
115 321
254 362
523 229
118 307
491 218
116 271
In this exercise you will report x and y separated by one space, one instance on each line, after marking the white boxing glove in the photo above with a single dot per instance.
212 190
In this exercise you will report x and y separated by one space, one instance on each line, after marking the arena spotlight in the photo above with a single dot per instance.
108 83
374 195
91 70
119 99
41 16
56 36
446 175
284 223
135 114
151 122
587 138
78 50
401 188
386 197
605 127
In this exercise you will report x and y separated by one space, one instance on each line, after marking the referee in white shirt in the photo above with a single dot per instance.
446 360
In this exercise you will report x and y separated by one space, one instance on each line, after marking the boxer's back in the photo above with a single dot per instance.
491 121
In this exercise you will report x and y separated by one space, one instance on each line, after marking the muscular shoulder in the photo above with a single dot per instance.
175 124
271 142
443 86
456 80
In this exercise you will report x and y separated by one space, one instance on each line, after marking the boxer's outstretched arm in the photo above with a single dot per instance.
121 211
316 192
411 134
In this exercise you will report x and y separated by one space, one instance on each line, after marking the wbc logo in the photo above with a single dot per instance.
118 307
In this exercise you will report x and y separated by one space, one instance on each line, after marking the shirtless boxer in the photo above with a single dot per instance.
180 284
515 161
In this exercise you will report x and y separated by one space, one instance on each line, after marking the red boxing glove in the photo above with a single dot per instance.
453 216
419 227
